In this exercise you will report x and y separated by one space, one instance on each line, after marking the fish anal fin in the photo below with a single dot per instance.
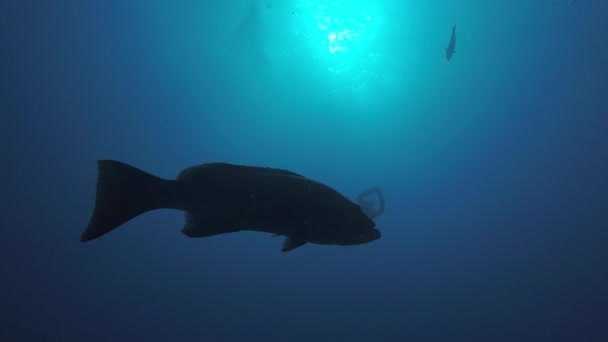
292 243
199 226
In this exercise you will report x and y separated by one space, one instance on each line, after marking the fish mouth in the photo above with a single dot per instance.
375 234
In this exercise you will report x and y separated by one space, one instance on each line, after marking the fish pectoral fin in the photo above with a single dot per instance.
292 243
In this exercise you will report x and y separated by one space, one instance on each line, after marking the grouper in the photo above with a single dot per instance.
220 198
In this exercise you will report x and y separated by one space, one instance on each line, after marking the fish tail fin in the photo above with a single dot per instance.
124 192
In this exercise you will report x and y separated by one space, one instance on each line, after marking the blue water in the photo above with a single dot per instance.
493 165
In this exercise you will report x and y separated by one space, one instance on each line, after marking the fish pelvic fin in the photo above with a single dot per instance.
292 243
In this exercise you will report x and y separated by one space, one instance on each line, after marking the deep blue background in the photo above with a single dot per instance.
494 166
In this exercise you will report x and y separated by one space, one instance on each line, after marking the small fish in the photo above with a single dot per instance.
223 198
450 50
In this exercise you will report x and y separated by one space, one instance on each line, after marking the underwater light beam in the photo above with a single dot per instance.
343 29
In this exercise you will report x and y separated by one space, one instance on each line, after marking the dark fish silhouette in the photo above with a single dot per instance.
450 50
223 198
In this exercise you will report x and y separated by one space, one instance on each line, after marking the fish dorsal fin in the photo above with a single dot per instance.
292 243
270 170
195 172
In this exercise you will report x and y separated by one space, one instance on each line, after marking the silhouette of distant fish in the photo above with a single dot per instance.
223 198
451 49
